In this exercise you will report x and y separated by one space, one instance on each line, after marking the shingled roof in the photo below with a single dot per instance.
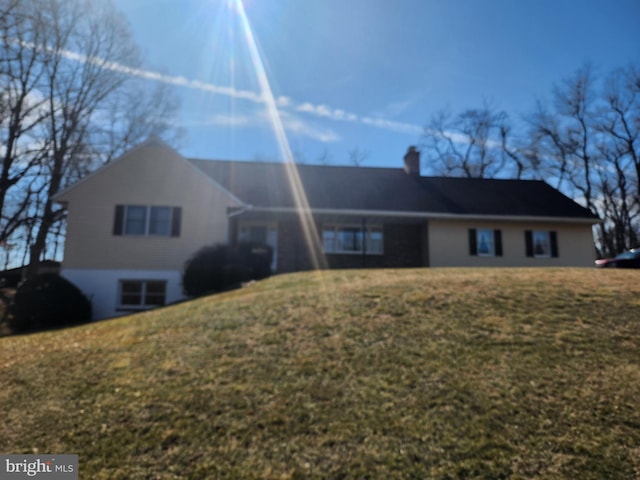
265 185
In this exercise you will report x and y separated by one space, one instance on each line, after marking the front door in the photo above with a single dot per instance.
261 232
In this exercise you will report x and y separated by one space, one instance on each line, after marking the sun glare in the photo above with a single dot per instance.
312 238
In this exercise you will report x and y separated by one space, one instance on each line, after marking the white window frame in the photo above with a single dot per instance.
546 241
125 219
143 305
168 225
480 232
147 220
335 228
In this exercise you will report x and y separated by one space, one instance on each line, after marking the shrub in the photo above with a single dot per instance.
218 267
257 258
48 301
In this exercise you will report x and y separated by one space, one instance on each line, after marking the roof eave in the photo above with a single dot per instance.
423 215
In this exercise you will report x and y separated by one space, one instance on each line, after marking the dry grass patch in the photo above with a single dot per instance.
518 373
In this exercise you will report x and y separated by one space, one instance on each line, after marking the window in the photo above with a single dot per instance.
374 243
485 242
349 239
541 243
352 239
160 221
135 222
142 293
147 220
257 233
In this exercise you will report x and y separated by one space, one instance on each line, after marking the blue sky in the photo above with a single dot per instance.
366 74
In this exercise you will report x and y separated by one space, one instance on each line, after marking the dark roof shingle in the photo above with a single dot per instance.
267 185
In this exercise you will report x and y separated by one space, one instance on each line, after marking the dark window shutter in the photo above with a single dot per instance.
176 220
528 240
497 239
553 238
473 242
118 220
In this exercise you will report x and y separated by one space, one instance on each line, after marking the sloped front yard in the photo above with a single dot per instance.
519 373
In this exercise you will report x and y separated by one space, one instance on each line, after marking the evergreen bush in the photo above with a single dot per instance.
47 301
219 267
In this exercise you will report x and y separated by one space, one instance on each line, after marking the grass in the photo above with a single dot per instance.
444 374
6 294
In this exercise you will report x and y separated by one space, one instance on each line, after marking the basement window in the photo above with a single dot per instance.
142 293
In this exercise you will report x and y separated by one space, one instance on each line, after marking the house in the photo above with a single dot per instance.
133 223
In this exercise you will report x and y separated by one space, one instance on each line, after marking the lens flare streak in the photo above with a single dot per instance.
312 239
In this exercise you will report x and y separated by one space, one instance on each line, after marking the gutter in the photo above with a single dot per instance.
238 210
423 215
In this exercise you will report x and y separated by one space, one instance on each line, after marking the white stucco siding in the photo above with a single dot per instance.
102 287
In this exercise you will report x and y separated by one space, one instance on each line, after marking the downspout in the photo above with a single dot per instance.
364 242
426 255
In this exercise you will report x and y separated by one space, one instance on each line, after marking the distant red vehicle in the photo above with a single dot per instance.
630 259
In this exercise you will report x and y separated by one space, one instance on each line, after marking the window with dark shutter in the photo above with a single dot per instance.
541 243
159 221
136 220
144 220
497 239
484 242
118 220
473 242
176 220
528 241
553 236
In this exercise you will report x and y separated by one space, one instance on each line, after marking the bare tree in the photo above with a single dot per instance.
134 113
618 127
587 141
21 112
324 158
567 137
357 156
474 143
65 108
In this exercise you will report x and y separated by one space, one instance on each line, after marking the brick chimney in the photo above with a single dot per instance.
412 161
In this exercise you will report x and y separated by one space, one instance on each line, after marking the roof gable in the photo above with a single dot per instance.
130 158
152 141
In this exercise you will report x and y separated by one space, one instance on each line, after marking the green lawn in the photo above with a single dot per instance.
434 373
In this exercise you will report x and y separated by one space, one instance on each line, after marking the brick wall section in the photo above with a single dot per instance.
293 252
402 248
